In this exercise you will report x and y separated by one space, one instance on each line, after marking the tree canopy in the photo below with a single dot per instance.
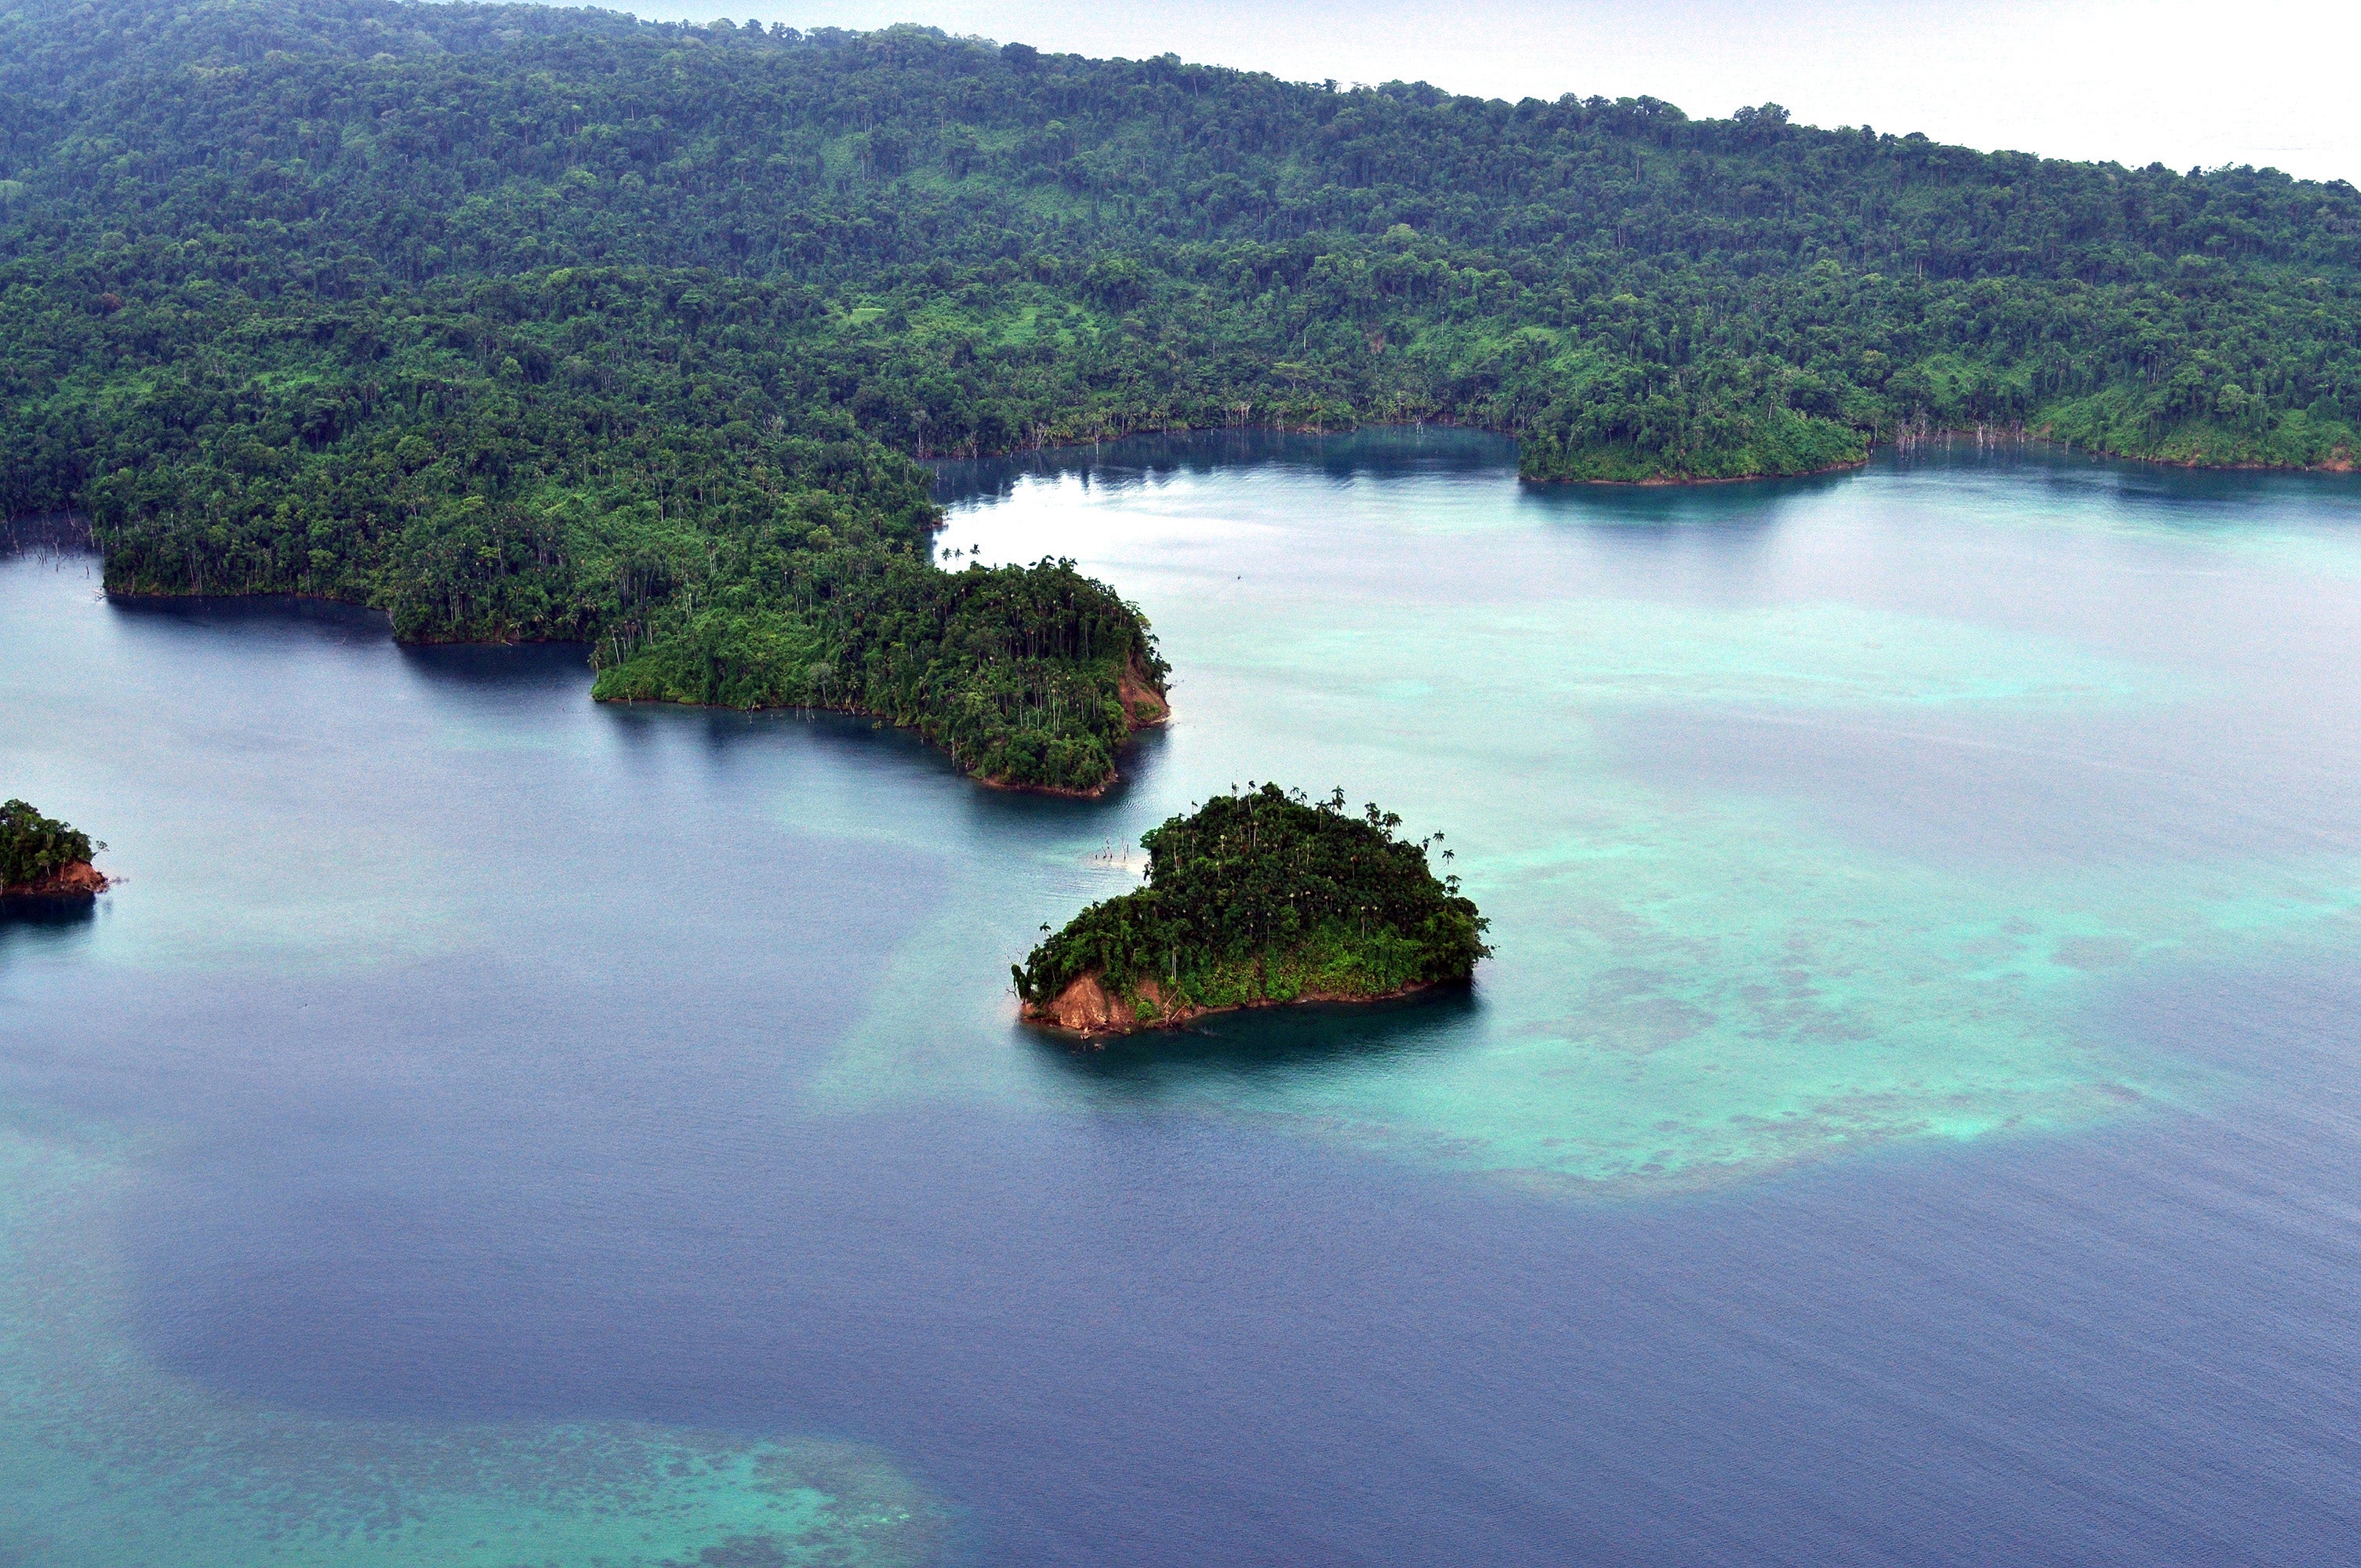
34 848
522 321
1266 897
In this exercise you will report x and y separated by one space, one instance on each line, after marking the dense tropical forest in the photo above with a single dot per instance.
529 323
1259 897
35 849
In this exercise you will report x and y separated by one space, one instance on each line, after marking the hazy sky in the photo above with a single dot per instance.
2264 82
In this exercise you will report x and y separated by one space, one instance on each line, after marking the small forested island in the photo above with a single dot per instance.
1032 677
525 322
1254 900
42 855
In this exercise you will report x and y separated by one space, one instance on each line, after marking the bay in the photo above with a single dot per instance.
1910 1115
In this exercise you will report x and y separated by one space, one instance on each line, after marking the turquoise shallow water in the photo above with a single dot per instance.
1909 1117
1797 836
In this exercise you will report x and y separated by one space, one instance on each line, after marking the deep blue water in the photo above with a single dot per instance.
466 1052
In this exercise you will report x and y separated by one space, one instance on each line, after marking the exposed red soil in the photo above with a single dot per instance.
75 876
1086 1010
1143 700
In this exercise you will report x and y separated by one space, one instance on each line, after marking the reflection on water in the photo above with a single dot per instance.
1396 450
561 668
44 924
47 911
275 615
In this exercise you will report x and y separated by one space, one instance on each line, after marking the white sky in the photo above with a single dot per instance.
2266 81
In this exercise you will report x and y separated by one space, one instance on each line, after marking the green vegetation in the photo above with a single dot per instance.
34 848
523 322
1257 898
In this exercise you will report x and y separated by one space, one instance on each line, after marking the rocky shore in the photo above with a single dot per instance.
76 877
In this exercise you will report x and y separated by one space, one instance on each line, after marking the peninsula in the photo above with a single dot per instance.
42 855
1257 900
1032 677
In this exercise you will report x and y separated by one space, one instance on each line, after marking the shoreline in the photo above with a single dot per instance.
1056 791
77 879
1666 483
1090 997
1126 690
2346 465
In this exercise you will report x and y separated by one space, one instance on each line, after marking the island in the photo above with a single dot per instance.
1257 899
42 855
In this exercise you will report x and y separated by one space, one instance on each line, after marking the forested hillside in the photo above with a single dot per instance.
530 323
